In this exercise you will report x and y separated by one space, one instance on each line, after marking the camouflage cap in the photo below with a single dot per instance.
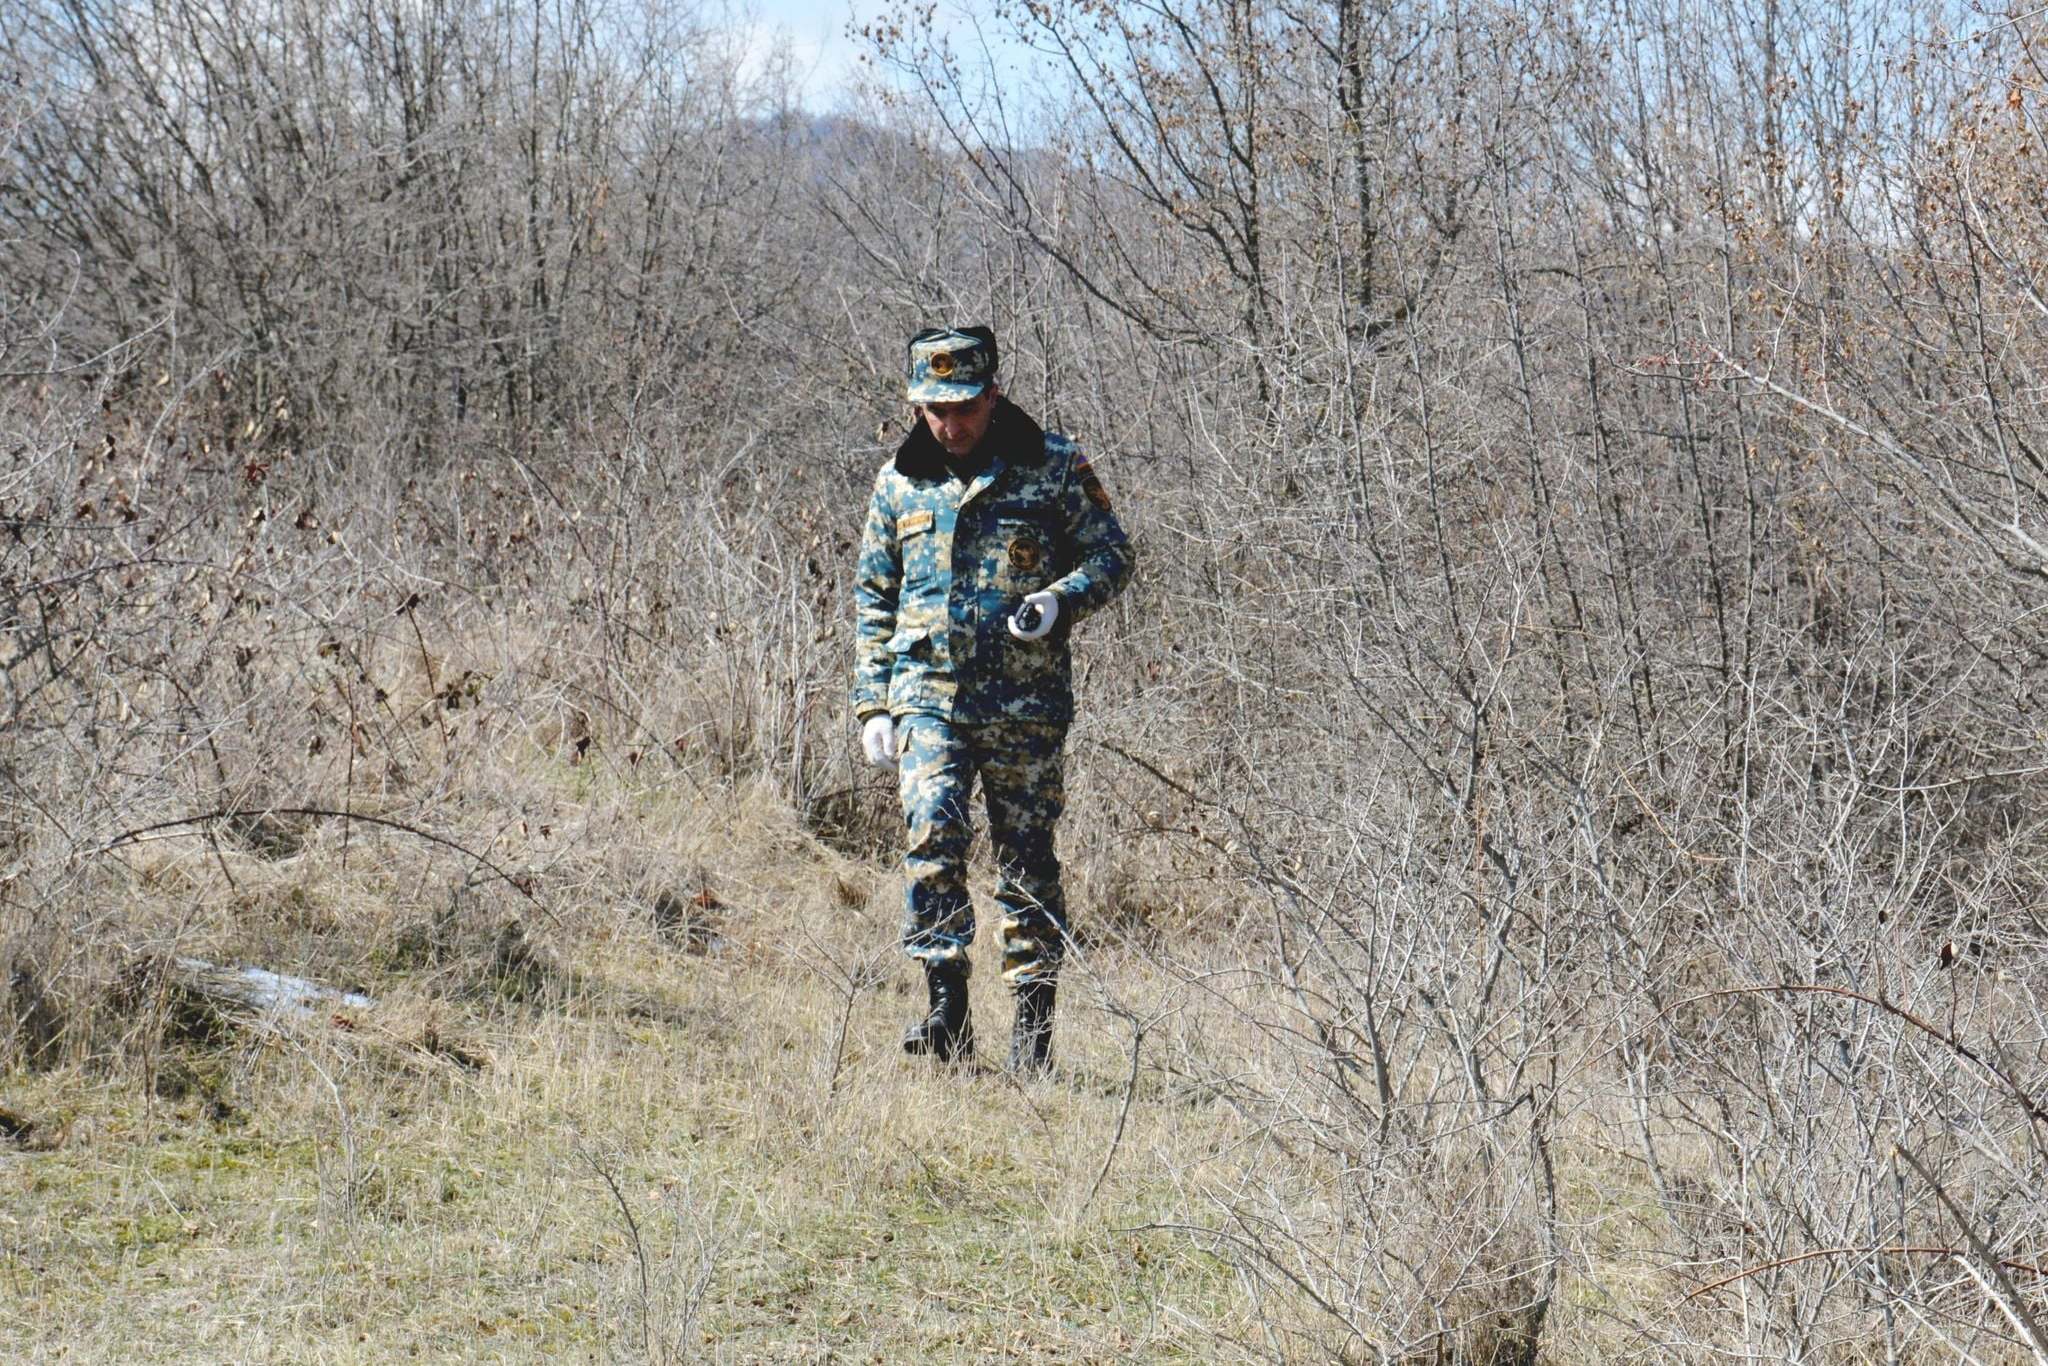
951 364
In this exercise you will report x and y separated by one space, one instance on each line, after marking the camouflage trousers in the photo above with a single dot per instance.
1022 772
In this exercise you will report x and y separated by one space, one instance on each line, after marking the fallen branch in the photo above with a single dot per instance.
261 989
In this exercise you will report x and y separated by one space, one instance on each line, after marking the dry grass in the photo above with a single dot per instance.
655 1157
1559 805
631 1087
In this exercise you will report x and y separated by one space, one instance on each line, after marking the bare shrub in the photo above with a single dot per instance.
1574 750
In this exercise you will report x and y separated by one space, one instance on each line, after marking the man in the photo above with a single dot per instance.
987 540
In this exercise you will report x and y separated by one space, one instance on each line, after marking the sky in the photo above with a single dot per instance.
816 33
826 59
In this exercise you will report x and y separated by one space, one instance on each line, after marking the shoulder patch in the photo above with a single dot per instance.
1058 444
1090 485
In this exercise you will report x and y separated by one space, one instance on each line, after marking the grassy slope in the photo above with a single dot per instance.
337 1192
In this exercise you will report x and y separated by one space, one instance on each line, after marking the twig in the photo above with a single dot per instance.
1961 1049
639 1252
852 981
1988 1270
227 813
1123 1114
1890 1249
427 663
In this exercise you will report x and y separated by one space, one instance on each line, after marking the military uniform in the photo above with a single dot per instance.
951 547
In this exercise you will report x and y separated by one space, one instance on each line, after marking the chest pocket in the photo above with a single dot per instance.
917 540
1020 554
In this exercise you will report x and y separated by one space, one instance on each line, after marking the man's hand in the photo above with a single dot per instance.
1034 618
878 739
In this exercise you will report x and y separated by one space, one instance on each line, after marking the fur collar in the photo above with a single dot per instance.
1012 435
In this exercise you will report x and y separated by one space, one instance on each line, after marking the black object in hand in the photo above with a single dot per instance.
1027 617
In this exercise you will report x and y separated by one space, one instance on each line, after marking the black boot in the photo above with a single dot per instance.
947 1031
1031 1036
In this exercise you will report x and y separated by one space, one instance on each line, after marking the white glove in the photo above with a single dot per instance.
878 739
1048 606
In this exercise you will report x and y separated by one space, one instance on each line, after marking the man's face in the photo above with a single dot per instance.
959 427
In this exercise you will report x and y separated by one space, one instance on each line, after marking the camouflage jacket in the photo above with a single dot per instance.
946 557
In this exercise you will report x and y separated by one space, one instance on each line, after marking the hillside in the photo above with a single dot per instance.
1555 825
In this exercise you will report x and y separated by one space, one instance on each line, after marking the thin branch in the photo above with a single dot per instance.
519 884
1887 1250
1961 1049
1987 1270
